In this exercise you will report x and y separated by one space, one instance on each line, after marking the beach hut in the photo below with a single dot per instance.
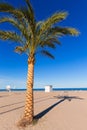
48 88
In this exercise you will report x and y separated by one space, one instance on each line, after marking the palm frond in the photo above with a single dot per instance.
19 16
55 40
29 12
16 13
38 26
8 35
5 7
17 24
50 42
30 26
72 31
55 18
46 53
30 9
21 49
60 31
49 36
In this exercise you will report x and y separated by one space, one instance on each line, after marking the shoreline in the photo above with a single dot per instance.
42 89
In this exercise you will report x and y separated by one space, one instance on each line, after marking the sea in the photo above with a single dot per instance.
54 89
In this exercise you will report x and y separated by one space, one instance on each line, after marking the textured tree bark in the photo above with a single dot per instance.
29 110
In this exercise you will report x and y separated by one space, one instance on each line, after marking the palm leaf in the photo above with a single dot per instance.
50 42
21 49
29 12
46 53
17 24
38 26
72 31
8 35
28 21
59 31
55 18
19 15
5 7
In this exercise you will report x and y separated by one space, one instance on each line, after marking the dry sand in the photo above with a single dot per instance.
55 110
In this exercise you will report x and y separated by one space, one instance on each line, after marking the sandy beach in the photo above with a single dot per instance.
55 110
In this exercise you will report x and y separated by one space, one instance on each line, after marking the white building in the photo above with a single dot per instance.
48 88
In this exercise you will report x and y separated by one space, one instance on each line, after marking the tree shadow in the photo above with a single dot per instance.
69 98
4 96
12 104
63 98
11 110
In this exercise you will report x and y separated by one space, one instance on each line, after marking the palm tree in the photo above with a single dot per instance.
34 37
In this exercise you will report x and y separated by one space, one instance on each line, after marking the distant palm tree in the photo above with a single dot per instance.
34 37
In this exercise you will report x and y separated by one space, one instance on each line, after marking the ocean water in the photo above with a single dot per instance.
54 89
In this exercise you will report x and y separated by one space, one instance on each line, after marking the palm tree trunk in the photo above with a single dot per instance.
29 110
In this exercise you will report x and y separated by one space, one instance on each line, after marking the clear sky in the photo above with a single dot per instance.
69 69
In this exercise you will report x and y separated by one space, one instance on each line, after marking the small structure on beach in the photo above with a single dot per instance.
48 88
8 88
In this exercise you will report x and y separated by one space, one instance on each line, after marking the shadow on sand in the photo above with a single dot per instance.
11 110
43 113
11 104
63 98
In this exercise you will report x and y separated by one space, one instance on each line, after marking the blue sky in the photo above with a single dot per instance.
69 69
